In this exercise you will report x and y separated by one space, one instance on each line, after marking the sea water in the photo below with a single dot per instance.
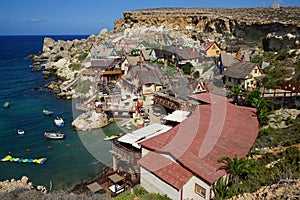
79 156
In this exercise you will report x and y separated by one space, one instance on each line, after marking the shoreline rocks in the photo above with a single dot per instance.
11 185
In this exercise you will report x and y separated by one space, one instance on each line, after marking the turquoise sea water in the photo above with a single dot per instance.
78 155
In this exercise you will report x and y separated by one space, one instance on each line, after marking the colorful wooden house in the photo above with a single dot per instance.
243 74
212 49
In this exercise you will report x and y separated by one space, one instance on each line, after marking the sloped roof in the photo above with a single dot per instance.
94 187
102 63
132 60
177 116
183 53
101 51
143 133
148 77
239 70
213 131
169 171
146 53
227 59
209 44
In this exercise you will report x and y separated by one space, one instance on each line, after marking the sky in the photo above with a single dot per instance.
85 17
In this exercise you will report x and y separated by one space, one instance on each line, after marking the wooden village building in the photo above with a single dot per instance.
176 55
182 162
212 49
243 74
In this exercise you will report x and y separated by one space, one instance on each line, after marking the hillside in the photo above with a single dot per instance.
277 28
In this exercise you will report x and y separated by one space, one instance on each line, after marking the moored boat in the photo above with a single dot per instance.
54 135
20 132
6 104
111 137
47 112
59 122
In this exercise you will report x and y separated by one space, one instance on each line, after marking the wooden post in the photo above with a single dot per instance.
115 163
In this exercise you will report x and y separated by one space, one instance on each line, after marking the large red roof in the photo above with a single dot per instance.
213 131
167 170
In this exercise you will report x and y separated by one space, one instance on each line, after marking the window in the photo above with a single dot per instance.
229 79
251 82
255 71
239 81
200 190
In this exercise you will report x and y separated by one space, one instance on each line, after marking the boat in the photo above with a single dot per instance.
59 122
24 160
47 112
6 104
20 132
54 135
111 137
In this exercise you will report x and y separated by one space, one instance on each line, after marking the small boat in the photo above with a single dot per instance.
59 122
47 112
111 137
6 104
54 135
20 132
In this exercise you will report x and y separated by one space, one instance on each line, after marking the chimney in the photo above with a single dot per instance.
160 46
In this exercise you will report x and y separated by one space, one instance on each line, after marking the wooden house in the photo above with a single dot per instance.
243 74
149 82
128 62
125 45
212 49
102 52
176 55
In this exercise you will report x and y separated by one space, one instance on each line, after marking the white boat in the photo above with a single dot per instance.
59 122
6 104
20 132
54 135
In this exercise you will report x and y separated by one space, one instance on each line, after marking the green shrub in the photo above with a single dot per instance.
196 75
82 56
83 86
187 68
255 94
75 66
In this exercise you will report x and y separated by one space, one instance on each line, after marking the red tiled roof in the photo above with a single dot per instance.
167 170
204 97
213 131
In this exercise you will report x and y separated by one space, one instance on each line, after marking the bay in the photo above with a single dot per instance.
79 155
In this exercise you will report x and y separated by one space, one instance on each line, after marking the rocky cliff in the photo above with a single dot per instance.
276 28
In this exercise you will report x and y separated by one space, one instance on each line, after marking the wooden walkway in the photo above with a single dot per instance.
281 94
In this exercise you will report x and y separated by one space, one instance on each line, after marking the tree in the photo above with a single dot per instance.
187 68
255 94
237 168
196 75
236 94
220 189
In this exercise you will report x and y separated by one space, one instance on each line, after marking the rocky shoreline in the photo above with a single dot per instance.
22 184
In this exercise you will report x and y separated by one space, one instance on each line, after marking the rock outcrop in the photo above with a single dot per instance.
287 189
277 28
60 57
23 184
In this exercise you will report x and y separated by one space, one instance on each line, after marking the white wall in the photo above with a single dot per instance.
153 184
189 189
